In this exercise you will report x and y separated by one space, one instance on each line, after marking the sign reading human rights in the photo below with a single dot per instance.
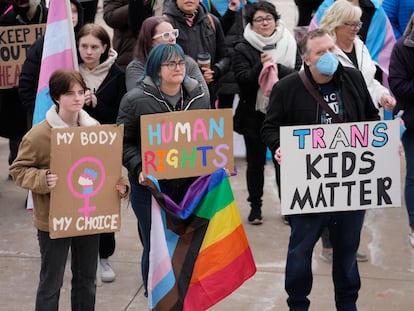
88 162
187 143
15 41
340 167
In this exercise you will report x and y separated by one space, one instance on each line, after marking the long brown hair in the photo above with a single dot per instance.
98 32
144 43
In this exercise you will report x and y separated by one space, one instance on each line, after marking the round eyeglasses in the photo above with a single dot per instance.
167 35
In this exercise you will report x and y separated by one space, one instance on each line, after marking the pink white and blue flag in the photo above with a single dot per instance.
59 52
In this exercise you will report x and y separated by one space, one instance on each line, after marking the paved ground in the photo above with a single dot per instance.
387 279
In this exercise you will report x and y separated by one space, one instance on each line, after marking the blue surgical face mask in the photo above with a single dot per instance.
327 64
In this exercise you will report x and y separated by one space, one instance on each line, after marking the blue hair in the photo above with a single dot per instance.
160 54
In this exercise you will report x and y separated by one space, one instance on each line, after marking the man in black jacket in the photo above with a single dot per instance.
290 103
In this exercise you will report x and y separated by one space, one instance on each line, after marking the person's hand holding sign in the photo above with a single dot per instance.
278 156
51 179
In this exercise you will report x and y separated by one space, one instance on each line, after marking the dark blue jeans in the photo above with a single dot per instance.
54 253
345 230
141 204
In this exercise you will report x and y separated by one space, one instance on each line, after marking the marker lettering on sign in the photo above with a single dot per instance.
61 224
161 160
100 138
97 222
358 136
199 130
65 138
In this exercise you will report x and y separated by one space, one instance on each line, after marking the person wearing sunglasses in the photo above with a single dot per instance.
156 30
264 29
165 88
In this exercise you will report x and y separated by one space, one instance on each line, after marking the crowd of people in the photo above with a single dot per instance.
356 53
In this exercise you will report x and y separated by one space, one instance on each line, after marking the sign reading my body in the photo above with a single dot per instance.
199 132
87 138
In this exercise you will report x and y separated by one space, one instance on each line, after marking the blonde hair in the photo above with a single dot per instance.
337 14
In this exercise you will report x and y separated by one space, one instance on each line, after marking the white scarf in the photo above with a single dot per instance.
285 51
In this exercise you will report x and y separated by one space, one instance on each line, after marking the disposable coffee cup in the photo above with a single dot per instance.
204 60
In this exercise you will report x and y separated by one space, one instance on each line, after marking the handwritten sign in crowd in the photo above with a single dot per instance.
340 167
88 162
15 41
187 143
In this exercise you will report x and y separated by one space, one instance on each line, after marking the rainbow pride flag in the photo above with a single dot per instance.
59 52
199 251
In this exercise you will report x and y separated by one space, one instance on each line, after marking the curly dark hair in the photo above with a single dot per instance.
261 5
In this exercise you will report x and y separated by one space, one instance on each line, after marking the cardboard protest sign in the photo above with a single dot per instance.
15 41
88 162
340 167
187 143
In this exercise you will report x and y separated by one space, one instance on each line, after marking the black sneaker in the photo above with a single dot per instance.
255 217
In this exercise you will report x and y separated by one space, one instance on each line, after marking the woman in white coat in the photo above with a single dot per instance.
342 21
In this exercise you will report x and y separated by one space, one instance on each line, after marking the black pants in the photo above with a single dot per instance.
256 160
106 244
14 148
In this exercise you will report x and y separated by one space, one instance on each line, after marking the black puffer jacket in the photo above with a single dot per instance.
291 104
146 99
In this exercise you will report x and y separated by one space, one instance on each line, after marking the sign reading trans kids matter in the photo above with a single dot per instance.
340 167
187 143
87 161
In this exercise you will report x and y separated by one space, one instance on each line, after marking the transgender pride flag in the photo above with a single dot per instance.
59 52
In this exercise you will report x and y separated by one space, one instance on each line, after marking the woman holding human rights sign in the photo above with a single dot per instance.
165 88
31 170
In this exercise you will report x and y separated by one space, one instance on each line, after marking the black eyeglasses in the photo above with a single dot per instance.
261 20
174 65
353 26
167 35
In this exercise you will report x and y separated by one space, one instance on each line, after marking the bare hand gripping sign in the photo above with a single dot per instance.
340 167
88 163
187 143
